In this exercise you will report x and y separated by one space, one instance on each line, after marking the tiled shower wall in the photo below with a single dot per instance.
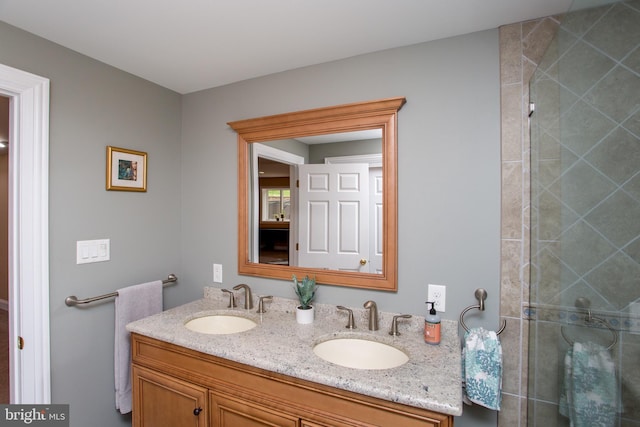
611 34
522 46
586 192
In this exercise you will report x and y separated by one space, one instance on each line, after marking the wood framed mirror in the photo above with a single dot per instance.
332 229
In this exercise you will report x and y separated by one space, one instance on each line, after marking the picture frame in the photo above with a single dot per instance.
126 169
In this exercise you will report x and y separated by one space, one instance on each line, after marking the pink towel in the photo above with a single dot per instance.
132 303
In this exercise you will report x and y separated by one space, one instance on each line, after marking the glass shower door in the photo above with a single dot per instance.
584 341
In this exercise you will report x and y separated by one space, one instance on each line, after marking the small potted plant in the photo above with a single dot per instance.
306 291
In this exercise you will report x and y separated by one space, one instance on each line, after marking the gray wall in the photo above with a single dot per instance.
92 106
449 170
449 187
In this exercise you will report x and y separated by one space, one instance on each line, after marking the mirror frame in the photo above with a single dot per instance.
380 114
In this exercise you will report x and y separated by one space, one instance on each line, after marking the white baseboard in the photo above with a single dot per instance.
4 305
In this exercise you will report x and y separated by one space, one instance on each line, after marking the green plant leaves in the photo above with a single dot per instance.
305 289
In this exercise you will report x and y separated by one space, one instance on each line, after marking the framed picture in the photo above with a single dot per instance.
126 169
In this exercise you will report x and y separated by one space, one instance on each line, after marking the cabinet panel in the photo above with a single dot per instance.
228 411
242 395
163 401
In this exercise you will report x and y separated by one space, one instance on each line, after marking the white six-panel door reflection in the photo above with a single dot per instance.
334 217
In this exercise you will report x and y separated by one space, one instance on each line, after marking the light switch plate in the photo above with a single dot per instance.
88 251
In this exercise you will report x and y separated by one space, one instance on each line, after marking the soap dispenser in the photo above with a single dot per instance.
432 326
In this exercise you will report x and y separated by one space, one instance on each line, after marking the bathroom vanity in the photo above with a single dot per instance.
269 374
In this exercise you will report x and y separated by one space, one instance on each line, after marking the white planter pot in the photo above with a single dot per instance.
305 317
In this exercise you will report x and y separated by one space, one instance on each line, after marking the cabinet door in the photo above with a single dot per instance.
232 411
305 423
163 401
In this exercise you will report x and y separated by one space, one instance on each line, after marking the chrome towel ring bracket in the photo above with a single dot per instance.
584 304
481 296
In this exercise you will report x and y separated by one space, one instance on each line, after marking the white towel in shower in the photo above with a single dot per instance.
589 394
131 304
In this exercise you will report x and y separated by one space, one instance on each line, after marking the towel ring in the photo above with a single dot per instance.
584 304
481 295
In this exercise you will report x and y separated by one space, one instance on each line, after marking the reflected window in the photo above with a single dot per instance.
276 203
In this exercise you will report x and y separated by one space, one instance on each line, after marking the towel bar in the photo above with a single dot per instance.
73 300
583 303
481 295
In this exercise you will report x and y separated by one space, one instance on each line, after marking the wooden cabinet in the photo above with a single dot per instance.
161 400
233 411
170 382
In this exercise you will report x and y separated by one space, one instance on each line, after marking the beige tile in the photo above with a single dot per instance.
516 70
511 354
526 179
630 382
535 43
529 27
510 54
548 369
514 121
509 415
547 415
528 69
511 288
511 117
524 368
511 200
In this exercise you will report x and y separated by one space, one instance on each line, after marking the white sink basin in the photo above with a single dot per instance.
360 353
219 324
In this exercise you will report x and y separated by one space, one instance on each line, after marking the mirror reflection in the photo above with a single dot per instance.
317 195
317 202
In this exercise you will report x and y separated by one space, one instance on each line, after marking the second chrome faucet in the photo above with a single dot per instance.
248 297
373 315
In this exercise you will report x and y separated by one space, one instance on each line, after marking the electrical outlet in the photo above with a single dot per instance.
217 273
437 294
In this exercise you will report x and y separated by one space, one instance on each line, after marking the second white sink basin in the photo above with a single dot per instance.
360 353
219 324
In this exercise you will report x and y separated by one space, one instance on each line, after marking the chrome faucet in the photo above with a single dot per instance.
261 303
232 298
248 298
394 324
373 315
351 324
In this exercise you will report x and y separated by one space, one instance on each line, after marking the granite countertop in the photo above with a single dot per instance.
431 379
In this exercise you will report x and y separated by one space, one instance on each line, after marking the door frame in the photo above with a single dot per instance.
293 160
30 372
